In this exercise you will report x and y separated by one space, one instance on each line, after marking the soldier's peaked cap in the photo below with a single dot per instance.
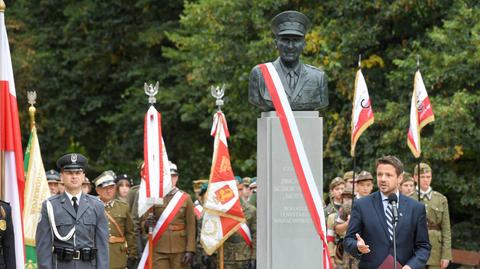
105 179
72 161
290 23
52 176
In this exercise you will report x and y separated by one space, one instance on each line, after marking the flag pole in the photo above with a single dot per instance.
151 91
418 159
32 98
353 157
220 257
2 155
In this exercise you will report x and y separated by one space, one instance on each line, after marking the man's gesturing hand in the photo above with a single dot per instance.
362 248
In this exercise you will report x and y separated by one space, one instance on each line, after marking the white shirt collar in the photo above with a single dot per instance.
70 196
385 198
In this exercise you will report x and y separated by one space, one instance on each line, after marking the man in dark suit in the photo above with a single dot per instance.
305 85
73 229
369 236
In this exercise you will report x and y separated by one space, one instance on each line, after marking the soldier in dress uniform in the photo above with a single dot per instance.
340 221
336 187
53 179
73 229
176 247
237 254
132 201
304 85
7 240
122 240
438 218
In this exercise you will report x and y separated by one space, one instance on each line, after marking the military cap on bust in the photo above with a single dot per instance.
348 175
105 179
364 175
290 23
52 176
72 161
424 168
335 182
123 177
173 169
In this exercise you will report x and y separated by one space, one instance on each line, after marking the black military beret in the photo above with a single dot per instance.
72 161
124 177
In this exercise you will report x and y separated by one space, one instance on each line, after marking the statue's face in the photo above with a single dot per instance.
290 47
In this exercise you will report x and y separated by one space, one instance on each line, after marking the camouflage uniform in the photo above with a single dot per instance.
236 251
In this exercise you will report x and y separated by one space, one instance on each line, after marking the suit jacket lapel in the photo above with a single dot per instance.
378 205
83 206
67 205
302 79
403 206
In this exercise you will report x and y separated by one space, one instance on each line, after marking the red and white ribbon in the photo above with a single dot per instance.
162 224
244 231
297 153
198 209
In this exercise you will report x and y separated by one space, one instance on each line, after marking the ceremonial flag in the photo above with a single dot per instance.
362 113
297 154
223 213
421 113
36 191
11 155
156 181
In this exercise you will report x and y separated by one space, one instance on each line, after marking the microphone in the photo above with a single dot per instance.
392 199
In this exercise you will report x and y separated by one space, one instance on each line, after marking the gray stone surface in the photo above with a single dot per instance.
286 237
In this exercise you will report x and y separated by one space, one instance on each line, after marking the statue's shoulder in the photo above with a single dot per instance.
313 69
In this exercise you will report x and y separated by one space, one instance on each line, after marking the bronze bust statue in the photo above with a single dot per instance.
305 85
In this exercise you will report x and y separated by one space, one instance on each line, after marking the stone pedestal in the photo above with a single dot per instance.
286 237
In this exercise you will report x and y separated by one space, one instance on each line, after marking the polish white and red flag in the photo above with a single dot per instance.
11 145
421 114
223 212
298 156
156 181
362 113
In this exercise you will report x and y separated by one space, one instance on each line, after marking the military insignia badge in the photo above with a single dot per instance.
3 225
73 158
224 194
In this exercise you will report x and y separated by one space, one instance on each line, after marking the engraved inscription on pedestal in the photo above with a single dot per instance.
286 237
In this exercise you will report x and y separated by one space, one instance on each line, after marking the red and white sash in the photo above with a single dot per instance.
297 153
198 209
244 231
162 224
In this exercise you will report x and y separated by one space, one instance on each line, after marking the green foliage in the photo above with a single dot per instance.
88 61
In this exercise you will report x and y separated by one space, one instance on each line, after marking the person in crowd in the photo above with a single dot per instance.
364 184
370 231
336 187
122 241
7 239
86 186
438 218
124 183
73 229
53 179
407 186
253 189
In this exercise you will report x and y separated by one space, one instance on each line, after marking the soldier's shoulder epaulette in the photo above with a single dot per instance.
54 197
93 198
436 193
314 68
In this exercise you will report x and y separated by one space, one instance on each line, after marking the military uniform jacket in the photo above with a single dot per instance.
235 247
175 239
438 219
310 92
119 252
91 231
7 240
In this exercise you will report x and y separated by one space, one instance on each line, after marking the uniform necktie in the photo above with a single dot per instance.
291 79
75 205
389 215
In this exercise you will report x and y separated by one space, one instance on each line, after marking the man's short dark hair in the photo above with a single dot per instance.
393 161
